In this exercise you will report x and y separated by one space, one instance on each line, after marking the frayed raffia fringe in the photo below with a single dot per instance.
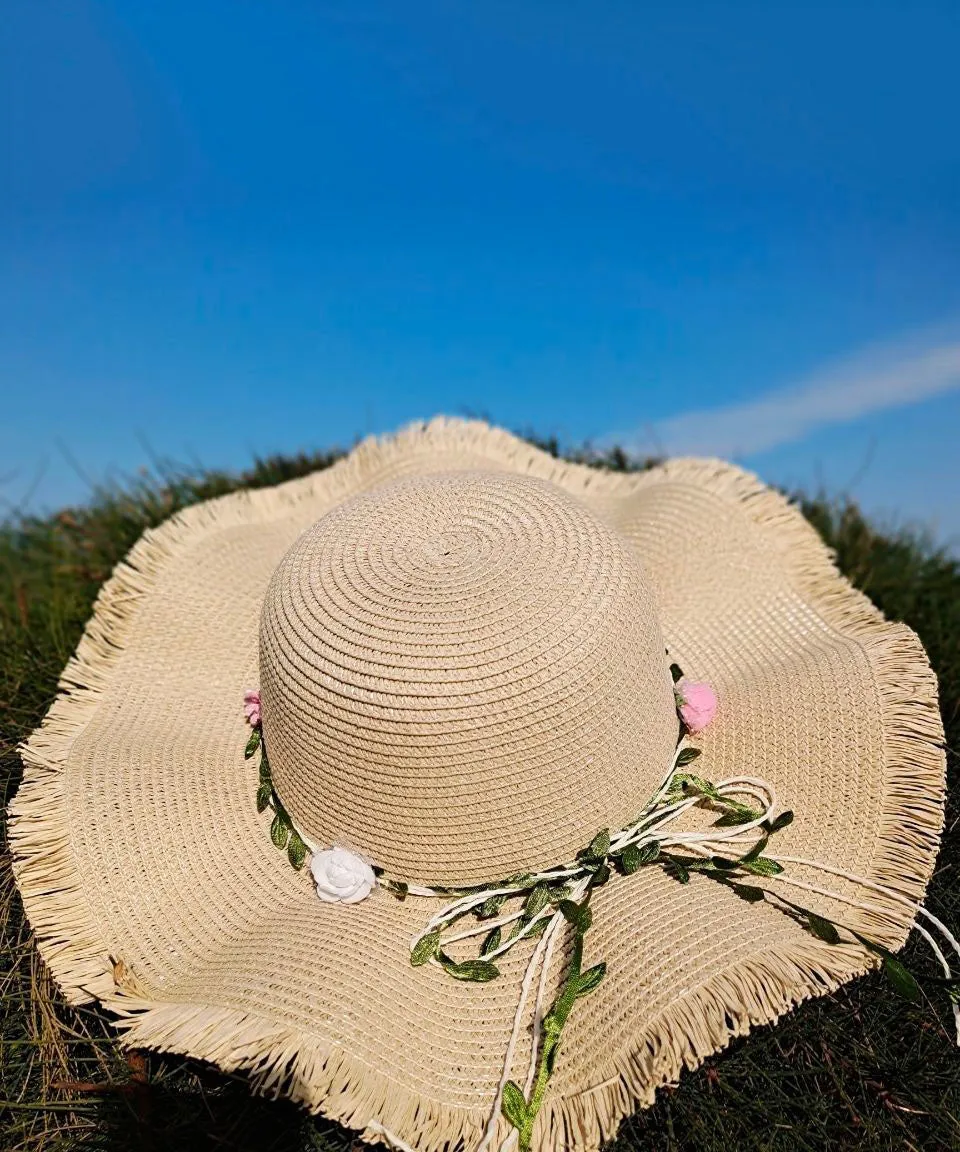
704 1022
281 1061
284 1061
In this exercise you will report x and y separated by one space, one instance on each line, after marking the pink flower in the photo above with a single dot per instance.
697 704
251 706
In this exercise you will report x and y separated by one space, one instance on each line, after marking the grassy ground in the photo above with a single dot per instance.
860 1069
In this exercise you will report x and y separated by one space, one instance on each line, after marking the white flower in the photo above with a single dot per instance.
342 876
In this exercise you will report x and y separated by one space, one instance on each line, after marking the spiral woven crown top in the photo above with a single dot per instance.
463 676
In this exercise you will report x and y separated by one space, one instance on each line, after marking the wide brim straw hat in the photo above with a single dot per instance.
462 646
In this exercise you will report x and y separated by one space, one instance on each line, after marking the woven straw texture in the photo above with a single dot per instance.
150 879
461 673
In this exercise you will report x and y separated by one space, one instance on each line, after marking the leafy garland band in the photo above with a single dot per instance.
536 905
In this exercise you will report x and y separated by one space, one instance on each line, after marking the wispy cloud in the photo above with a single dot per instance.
876 379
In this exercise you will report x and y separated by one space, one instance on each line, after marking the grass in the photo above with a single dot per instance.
858 1069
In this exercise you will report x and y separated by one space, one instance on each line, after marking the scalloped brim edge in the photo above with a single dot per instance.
301 1066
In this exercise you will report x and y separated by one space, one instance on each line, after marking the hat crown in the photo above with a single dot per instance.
463 677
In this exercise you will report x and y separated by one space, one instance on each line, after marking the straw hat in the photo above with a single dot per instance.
463 650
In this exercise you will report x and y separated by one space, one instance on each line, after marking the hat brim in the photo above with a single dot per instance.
152 885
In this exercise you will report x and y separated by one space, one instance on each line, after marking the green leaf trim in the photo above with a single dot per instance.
649 852
296 850
598 847
747 860
490 907
781 821
592 871
514 1106
521 1113
591 979
282 832
763 866
629 859
901 979
479 971
425 949
736 814
687 756
492 941
538 899
579 915
279 831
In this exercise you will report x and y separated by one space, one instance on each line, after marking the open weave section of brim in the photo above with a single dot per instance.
151 885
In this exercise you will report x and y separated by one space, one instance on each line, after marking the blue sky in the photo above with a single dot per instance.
238 228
